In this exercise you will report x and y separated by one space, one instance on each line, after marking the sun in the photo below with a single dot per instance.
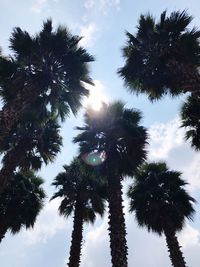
95 100
96 96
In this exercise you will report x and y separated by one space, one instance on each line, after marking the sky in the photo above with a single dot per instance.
103 23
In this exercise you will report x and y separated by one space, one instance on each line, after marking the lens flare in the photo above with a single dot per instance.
94 158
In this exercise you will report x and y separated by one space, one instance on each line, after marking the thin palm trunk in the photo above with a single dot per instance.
12 111
175 253
117 228
11 161
3 230
77 236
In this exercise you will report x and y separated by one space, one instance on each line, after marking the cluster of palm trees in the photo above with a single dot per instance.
44 81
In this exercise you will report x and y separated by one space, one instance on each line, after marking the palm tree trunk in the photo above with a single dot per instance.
77 236
117 228
3 230
10 161
175 253
12 111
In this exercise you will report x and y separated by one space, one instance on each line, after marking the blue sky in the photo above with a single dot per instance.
102 23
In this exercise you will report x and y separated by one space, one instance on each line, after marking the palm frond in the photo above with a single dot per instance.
160 53
159 199
79 184
116 131
22 201
190 114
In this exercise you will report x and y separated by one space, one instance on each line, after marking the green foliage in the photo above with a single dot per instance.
162 57
79 183
52 61
38 141
159 199
116 131
190 115
21 201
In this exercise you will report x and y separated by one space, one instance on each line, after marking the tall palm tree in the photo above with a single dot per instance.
84 196
51 65
31 143
116 131
190 115
161 204
162 57
20 203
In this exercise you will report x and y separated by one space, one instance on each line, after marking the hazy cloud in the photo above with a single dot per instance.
102 4
48 224
89 3
167 143
191 172
164 137
88 32
96 251
189 237
39 5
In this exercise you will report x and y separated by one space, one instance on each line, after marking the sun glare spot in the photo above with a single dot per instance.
96 97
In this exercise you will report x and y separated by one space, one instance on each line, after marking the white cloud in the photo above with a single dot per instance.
88 33
39 5
48 224
89 4
167 142
164 137
191 172
96 249
102 4
189 237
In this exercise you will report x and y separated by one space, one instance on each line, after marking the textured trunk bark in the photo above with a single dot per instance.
11 161
117 228
77 236
12 112
175 254
3 230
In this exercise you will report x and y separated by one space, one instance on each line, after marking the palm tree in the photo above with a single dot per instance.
21 202
163 56
51 65
161 204
190 115
115 130
31 143
84 196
